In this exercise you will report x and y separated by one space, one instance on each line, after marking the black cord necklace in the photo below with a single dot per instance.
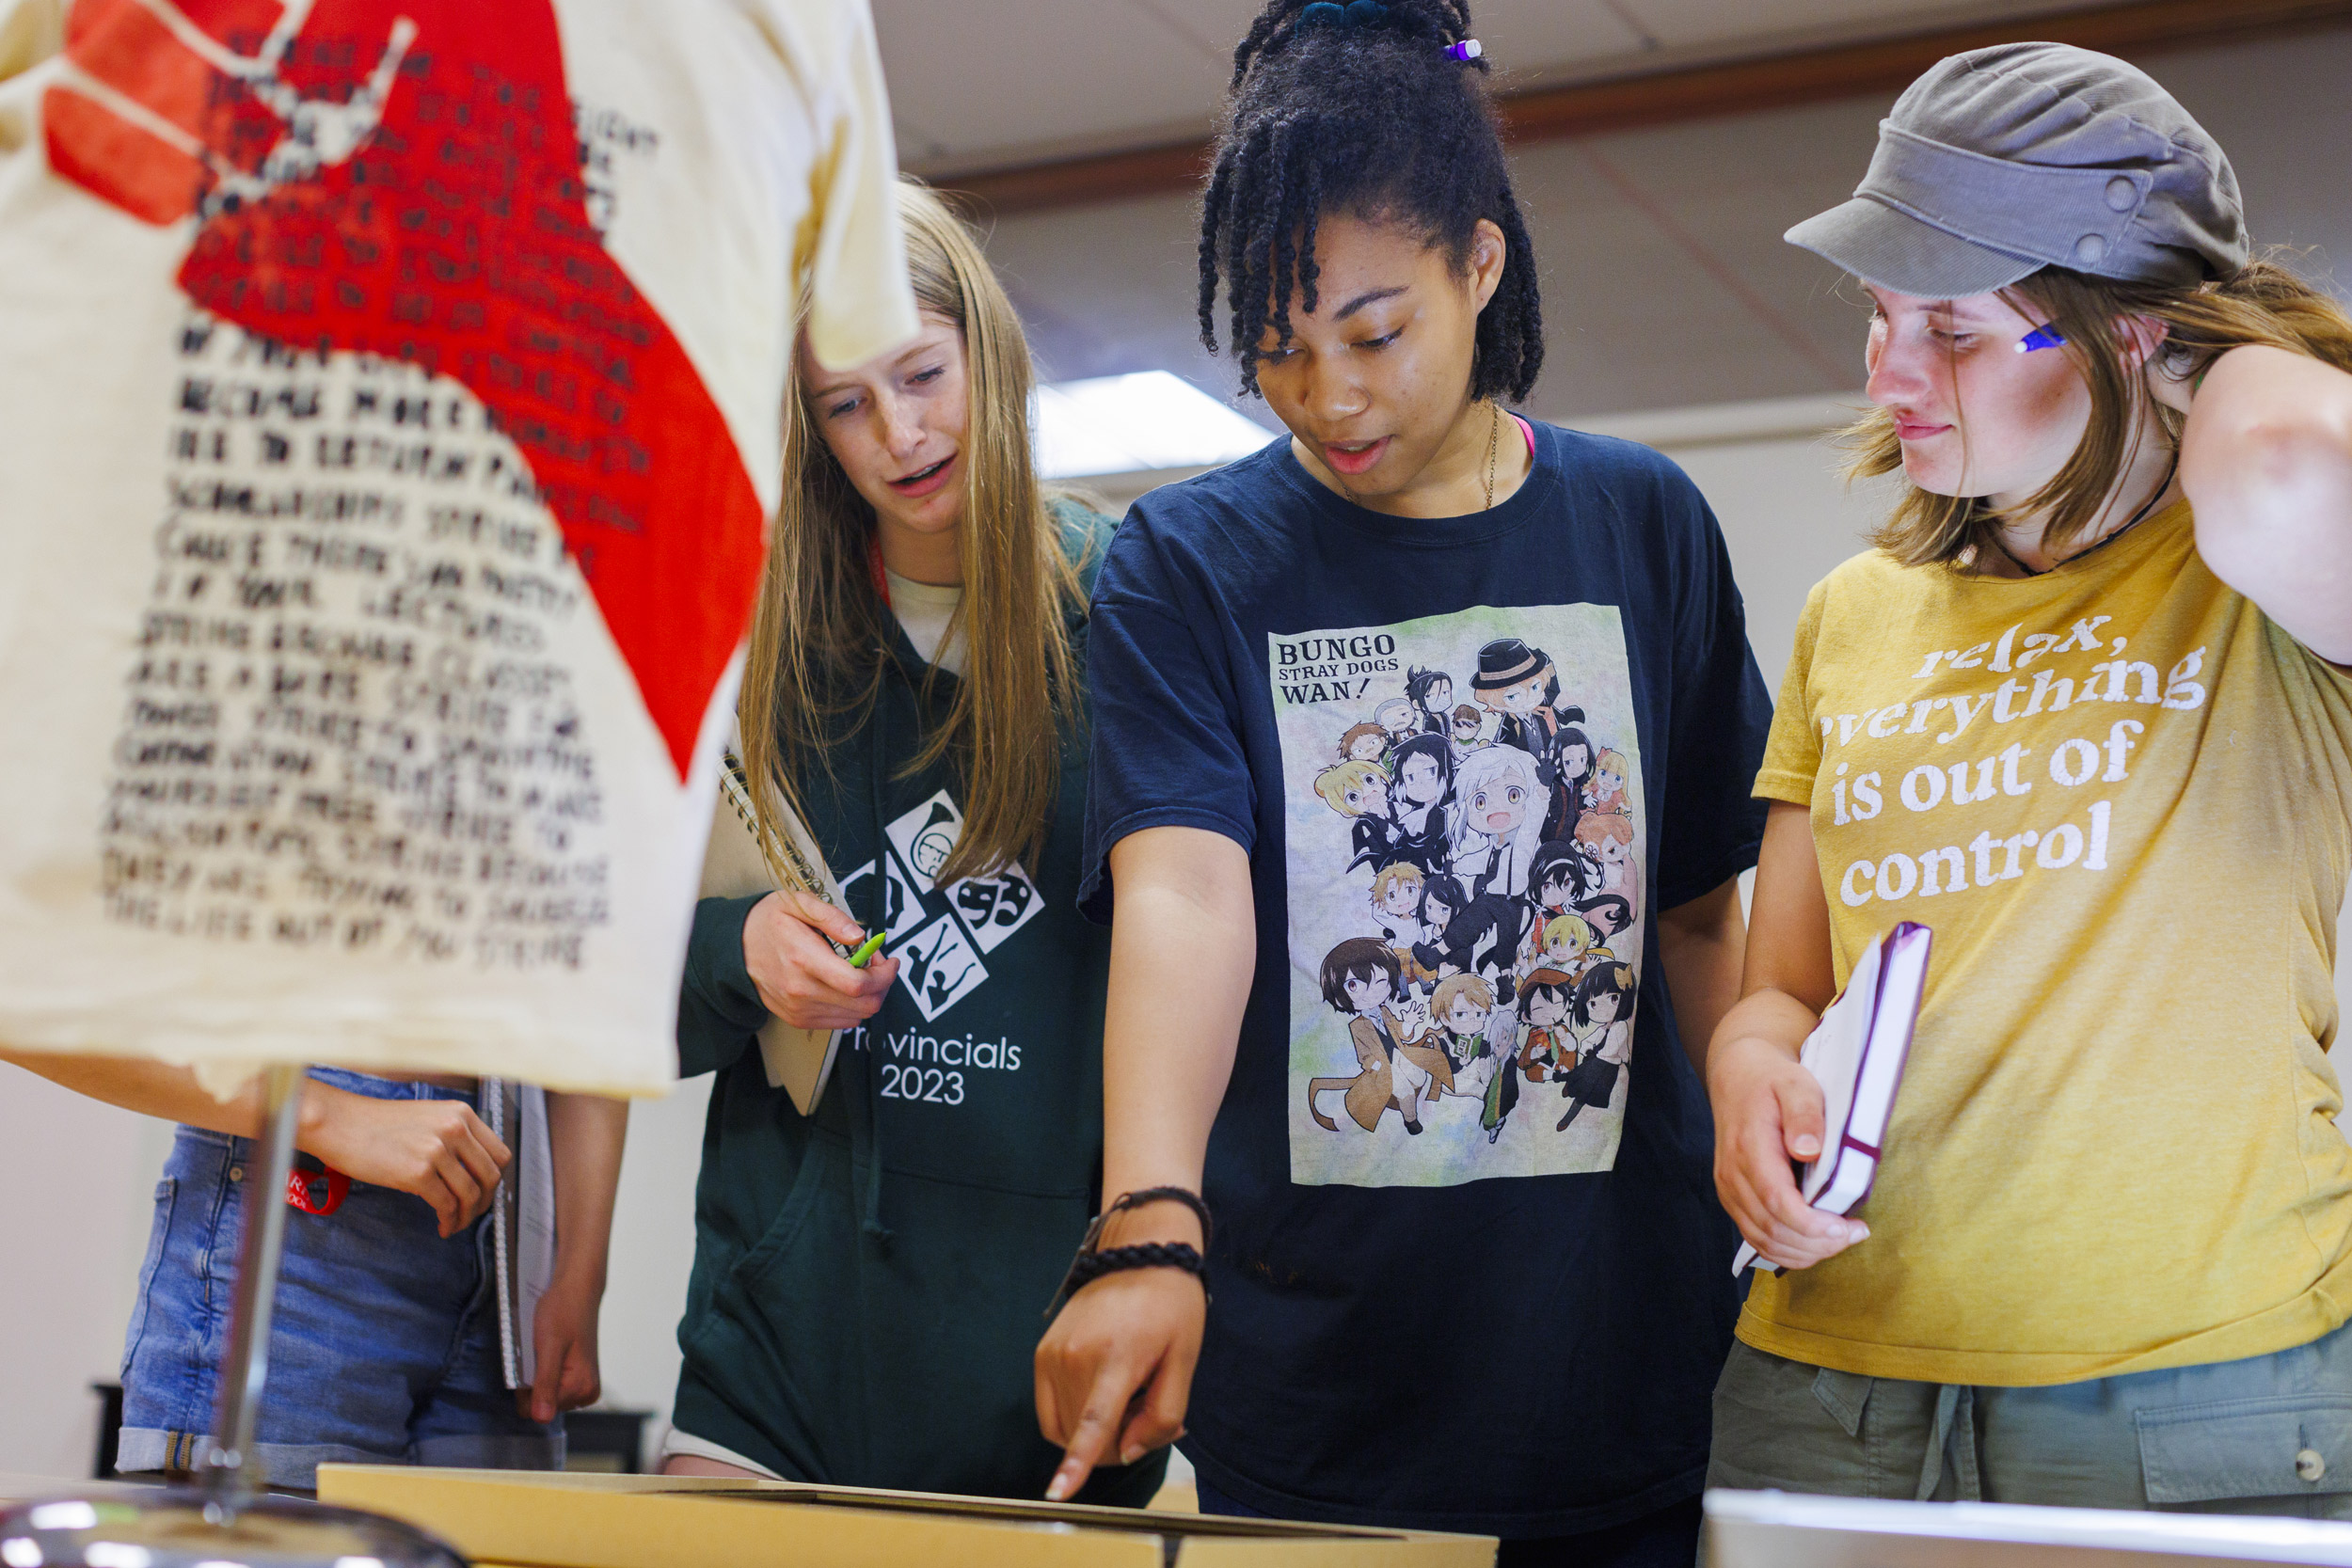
2136 517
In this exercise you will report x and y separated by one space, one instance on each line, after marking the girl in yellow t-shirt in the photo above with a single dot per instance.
2094 665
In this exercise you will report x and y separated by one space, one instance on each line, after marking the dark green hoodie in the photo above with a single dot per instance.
868 1281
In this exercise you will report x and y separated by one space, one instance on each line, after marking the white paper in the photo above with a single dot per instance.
535 1241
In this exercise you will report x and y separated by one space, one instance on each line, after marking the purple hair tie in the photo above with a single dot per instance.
1466 51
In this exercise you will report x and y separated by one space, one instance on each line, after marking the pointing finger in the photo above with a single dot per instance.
1097 1424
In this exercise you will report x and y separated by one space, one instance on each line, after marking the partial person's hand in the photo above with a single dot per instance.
801 980
563 1341
438 1150
1768 1113
1114 1372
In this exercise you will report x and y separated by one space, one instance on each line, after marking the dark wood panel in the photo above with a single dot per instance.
2146 28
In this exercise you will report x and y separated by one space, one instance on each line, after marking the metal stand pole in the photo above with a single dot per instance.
232 1470
230 1519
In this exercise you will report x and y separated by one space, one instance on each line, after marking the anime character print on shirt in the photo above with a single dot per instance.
1465 846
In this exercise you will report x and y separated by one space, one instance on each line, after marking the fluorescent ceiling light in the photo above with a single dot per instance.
1118 424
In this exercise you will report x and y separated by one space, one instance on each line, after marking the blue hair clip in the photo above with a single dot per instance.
2041 337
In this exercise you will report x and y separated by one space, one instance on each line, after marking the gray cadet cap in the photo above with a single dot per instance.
2002 161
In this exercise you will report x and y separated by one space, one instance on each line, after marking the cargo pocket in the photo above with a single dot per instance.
1845 1396
2291 1445
167 1199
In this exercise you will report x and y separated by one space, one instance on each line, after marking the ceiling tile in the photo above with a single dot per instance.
1107 290
1697 23
1726 191
1094 74
1520 34
1216 26
1012 81
1633 317
974 78
1526 36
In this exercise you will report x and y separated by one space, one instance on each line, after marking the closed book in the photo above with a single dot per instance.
1857 1054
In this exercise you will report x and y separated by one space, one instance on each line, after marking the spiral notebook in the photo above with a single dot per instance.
1857 1054
522 1220
747 855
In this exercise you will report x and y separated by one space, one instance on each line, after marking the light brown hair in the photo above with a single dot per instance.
1594 827
2264 302
1569 928
1389 875
1334 782
1454 986
819 635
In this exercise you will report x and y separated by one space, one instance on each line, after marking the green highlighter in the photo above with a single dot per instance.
867 949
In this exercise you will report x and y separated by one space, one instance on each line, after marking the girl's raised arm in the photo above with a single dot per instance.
2266 461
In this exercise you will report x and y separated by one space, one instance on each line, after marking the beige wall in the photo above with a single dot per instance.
80 1180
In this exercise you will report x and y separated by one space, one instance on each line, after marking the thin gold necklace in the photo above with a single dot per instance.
1494 437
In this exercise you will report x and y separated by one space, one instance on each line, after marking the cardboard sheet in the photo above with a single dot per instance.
542 1520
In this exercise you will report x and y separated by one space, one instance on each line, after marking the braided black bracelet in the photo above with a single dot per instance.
1142 1196
1093 1261
1088 1267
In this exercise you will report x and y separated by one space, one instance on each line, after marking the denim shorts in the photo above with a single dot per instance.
384 1345
2266 1434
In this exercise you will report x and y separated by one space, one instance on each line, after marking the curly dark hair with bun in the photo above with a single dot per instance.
1367 115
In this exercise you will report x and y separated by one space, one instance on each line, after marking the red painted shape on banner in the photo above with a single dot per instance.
402 178
146 176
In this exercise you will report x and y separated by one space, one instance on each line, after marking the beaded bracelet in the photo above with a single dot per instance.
1093 1261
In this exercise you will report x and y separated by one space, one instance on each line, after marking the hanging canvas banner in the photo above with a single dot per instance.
389 416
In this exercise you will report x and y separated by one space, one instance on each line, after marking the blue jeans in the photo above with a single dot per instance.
384 1346
1666 1539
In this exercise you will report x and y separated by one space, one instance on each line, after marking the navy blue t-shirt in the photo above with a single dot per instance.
1469 1271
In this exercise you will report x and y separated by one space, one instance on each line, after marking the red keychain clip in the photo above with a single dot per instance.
316 1187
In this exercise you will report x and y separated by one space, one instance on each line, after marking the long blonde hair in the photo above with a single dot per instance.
2264 302
821 633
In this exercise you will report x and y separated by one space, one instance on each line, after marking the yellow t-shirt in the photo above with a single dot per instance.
2117 793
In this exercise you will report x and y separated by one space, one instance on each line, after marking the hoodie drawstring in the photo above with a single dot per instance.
865 1139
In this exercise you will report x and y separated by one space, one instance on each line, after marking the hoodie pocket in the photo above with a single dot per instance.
904 1362
948 1314
774 1341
